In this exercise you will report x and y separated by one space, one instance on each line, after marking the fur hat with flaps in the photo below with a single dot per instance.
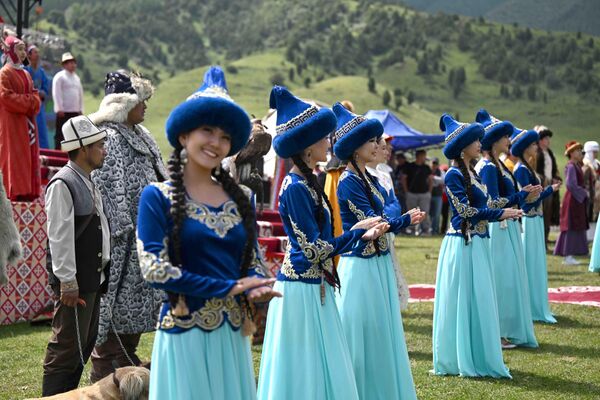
122 92
494 129
521 139
458 135
299 124
352 131
210 105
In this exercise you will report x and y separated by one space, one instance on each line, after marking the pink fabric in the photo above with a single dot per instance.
12 42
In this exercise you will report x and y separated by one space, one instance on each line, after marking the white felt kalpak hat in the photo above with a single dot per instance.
78 132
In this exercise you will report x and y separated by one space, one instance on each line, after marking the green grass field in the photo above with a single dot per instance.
564 367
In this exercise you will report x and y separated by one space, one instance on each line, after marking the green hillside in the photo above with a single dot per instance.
427 64
553 15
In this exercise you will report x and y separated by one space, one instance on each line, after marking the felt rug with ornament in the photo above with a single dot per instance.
582 295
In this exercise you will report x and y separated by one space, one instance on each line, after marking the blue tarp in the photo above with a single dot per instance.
405 137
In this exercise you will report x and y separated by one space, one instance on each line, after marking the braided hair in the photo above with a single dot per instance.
496 163
311 179
464 224
178 213
364 178
536 181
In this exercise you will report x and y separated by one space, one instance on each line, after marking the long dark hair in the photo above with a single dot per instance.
536 181
367 186
312 182
464 224
178 213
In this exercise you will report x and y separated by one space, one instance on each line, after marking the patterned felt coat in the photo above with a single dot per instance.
133 161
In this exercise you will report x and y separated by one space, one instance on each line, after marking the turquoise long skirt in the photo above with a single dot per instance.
466 332
537 270
512 286
196 364
370 312
305 354
595 259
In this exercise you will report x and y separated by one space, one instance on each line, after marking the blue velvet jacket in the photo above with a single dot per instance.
212 241
355 206
477 214
524 178
500 197
310 249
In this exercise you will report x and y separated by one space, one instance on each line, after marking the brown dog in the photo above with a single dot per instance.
127 383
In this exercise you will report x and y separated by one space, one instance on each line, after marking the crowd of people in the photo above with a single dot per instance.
137 246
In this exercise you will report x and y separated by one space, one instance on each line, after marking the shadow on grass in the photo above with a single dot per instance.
549 384
10 331
564 321
425 330
420 355
567 350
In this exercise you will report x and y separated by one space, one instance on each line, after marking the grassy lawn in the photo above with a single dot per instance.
564 367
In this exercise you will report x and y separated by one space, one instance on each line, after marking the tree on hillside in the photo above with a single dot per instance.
371 85
410 97
307 82
457 77
291 74
532 93
386 98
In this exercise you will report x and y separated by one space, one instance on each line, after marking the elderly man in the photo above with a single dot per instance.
133 160
79 241
67 93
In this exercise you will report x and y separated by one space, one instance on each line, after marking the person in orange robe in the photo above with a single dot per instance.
19 104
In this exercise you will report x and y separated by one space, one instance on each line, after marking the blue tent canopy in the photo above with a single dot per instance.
405 137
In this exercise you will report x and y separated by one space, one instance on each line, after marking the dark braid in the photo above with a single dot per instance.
246 211
369 195
177 211
464 225
311 179
536 181
501 186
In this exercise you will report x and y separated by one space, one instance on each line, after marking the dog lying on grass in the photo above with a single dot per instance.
127 383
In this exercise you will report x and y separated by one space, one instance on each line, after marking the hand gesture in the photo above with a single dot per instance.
71 298
249 282
534 192
416 216
367 223
376 231
556 186
511 213
262 294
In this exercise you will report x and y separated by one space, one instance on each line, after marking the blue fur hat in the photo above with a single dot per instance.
521 139
494 129
458 135
299 125
352 131
210 105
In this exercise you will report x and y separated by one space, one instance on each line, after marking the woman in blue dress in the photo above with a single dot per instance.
197 241
466 332
508 259
368 302
595 257
305 354
524 147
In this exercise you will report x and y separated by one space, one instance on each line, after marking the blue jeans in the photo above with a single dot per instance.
434 212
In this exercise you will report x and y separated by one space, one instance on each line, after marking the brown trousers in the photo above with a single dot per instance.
109 355
62 365
547 206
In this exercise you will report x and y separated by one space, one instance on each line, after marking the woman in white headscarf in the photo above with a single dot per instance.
591 175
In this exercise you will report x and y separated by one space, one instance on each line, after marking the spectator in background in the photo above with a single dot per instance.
547 169
509 160
591 174
398 176
67 93
42 84
436 195
572 240
417 184
445 205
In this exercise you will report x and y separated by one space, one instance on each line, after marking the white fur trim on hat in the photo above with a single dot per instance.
115 108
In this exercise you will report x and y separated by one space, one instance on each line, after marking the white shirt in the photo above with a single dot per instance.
383 176
67 92
61 227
